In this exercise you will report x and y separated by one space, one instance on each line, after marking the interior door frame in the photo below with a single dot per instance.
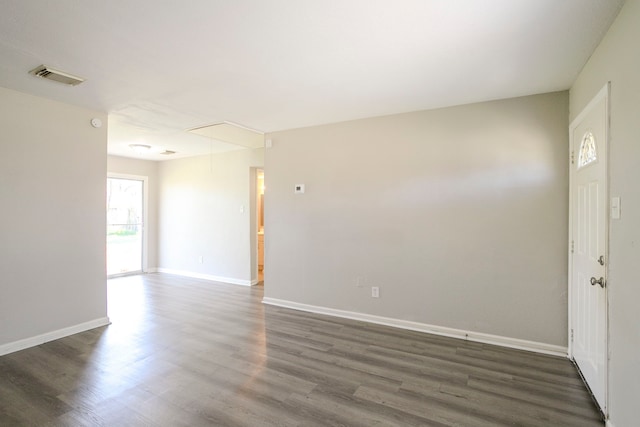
259 211
605 93
145 216
253 223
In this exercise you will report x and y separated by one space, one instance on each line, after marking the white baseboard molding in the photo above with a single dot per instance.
151 270
516 343
53 335
194 275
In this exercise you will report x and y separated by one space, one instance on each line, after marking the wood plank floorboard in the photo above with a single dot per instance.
189 352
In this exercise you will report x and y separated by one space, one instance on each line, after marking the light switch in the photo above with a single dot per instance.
298 189
615 208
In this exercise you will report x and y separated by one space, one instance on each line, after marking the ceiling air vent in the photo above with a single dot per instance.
168 152
56 75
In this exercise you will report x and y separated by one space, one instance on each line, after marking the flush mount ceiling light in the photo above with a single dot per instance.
140 148
56 75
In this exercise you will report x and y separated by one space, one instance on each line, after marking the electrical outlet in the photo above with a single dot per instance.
375 292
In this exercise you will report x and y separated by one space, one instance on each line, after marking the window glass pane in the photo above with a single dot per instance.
587 153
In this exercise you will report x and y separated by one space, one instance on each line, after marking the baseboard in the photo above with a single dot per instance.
151 270
194 275
515 343
53 335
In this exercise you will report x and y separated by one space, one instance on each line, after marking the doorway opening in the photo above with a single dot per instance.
260 222
126 219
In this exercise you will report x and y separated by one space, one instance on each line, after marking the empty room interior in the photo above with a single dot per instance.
320 213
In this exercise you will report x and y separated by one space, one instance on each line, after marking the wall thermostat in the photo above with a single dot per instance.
96 123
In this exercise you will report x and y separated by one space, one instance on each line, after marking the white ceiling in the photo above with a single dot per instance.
162 67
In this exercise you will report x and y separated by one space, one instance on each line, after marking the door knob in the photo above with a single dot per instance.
599 281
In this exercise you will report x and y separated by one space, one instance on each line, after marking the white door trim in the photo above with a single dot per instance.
604 93
145 214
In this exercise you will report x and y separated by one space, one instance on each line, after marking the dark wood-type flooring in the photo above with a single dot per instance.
187 352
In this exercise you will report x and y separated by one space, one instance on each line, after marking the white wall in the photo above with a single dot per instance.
459 215
617 59
52 193
129 166
200 202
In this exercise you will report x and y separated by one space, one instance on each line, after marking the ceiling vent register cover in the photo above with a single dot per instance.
56 75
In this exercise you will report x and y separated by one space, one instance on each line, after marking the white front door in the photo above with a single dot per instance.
588 257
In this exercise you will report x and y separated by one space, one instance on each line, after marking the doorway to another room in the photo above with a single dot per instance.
125 225
260 221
